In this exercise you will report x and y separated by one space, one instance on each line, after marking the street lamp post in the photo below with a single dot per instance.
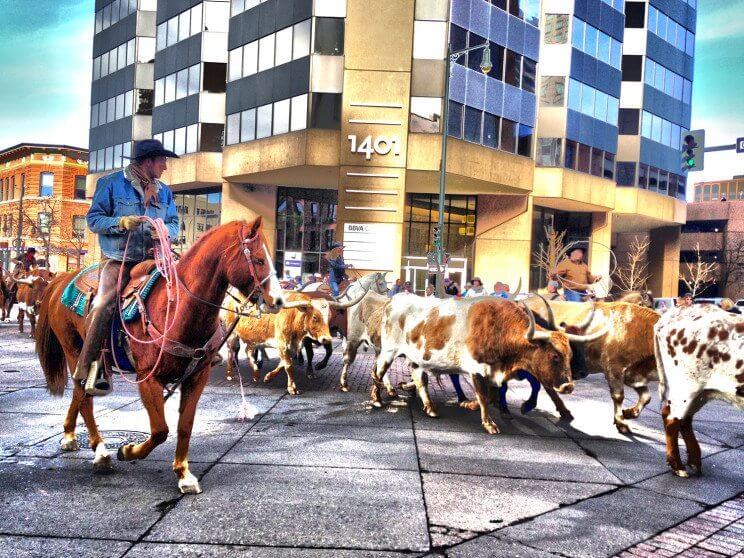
485 67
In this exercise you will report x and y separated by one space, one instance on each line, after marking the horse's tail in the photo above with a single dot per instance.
48 347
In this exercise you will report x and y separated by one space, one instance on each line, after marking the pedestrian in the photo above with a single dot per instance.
397 288
338 267
120 201
450 287
408 287
466 290
728 305
498 290
429 290
575 276
685 300
477 288
552 291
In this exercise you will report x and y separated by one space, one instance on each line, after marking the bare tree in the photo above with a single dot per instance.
42 228
633 274
699 275
549 254
731 268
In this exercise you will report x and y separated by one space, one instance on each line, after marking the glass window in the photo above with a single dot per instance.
666 133
329 35
625 174
47 184
131 51
301 39
669 83
490 130
609 166
642 175
104 65
514 8
587 100
656 128
528 75
194 79
192 138
248 125
597 160
119 106
159 91
283 50
172 34
676 137
107 16
616 54
102 113
475 57
429 39
556 29
524 141
632 67
265 53
111 109
236 7
263 121
650 69
79 188
512 69
281 117
613 105
600 106
454 119
646 125
661 26
179 141
298 112
233 129
458 40
196 19
184 28
584 164
99 21
473 120
577 37
508 135
552 91
653 18
235 64
548 152
590 43
216 16
168 139
250 59
94 116
689 43
678 87
161 35
653 179
426 114
182 83
603 52
687 92
635 14
170 88
531 11
628 122
574 95
663 182
109 162
122 56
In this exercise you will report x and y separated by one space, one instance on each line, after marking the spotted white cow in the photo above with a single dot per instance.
700 356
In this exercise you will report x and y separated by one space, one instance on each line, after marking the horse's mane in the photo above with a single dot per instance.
208 237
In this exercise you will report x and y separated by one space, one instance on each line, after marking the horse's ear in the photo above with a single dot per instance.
256 227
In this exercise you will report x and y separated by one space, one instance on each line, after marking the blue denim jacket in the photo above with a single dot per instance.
116 197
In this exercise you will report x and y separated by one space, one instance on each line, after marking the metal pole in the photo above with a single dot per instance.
442 178
20 216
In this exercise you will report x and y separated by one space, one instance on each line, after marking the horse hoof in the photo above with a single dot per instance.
189 484
624 429
103 465
345 389
630 413
392 393
431 412
293 390
566 388
377 404
568 417
696 470
69 445
120 455
491 428
469 405
681 473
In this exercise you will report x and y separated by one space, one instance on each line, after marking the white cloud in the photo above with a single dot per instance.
723 23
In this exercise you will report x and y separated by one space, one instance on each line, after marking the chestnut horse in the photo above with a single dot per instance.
231 254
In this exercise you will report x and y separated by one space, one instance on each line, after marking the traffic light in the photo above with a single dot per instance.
437 237
693 150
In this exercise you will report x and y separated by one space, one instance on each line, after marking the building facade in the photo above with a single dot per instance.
43 204
715 231
720 190
331 120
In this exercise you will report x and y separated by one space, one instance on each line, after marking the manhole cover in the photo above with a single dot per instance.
11 371
114 438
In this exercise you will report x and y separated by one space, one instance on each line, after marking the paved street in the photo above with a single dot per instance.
322 474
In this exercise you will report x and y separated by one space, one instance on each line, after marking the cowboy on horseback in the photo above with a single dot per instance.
120 201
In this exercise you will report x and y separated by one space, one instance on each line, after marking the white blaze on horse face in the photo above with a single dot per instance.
272 289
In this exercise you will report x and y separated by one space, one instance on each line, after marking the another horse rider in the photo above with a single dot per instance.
575 276
120 201
338 267
28 259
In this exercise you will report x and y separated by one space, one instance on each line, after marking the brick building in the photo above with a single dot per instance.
44 186
717 227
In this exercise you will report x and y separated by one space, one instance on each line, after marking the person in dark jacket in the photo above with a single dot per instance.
120 201
337 266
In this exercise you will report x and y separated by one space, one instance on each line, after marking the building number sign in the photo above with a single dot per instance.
381 145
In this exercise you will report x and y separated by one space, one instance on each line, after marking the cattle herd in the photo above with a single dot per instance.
695 353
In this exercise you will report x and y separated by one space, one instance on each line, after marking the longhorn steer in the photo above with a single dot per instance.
625 355
700 356
488 338
30 291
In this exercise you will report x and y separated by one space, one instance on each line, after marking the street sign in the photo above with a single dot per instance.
740 145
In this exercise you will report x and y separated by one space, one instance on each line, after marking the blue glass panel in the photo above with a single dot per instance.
650 66
659 77
600 106
653 17
613 107
646 125
574 95
603 53
587 100
577 37
616 55
590 43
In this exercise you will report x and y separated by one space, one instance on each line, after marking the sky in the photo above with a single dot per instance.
45 68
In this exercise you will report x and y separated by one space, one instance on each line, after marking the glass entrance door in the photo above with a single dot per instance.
416 271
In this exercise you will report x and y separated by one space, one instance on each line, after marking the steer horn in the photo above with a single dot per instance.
588 321
513 295
342 305
532 334
549 310
295 304
590 337
25 281
343 294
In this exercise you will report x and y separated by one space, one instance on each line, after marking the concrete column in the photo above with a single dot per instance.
663 261
248 201
599 246
503 240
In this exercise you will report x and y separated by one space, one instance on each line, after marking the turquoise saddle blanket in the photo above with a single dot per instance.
77 300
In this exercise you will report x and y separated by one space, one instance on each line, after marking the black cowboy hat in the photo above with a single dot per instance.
145 149
337 245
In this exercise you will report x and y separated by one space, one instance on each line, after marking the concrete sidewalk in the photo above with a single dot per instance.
323 474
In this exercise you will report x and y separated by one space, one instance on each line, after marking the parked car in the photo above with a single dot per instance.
713 300
740 303
661 305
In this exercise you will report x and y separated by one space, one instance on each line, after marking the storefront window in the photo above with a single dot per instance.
197 213
305 230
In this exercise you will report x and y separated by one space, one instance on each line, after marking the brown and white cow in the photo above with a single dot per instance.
625 355
302 317
700 356
489 338
28 296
